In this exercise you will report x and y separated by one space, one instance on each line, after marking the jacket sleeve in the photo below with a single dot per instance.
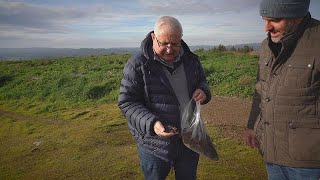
131 100
255 107
255 110
203 85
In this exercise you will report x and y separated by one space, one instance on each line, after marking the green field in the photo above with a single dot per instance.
59 119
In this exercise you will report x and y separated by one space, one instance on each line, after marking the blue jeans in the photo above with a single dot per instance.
154 168
278 172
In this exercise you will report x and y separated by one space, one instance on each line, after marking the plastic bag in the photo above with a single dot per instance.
193 132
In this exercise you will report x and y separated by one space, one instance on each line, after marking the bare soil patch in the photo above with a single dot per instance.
229 114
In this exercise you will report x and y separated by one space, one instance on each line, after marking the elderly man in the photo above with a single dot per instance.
158 83
287 125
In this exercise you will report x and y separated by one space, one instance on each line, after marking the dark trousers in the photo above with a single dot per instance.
185 165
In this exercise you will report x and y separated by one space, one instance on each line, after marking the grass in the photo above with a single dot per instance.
61 82
92 145
59 119
48 85
95 143
230 74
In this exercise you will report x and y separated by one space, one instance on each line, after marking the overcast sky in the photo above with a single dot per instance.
124 23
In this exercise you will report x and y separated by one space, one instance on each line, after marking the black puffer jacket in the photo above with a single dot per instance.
146 96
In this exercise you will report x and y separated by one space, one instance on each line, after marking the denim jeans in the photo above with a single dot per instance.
278 172
154 168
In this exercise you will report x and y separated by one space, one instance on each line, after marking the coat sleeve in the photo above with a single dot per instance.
255 107
203 85
255 110
131 100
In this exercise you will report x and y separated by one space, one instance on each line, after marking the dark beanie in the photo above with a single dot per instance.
284 8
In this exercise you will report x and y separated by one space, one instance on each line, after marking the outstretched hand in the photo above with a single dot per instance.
160 130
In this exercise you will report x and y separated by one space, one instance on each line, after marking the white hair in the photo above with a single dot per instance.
167 24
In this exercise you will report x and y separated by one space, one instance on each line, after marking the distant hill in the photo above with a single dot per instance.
40 53
255 46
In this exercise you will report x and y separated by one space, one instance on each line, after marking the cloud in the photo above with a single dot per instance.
117 23
27 24
124 23
26 15
198 7
45 17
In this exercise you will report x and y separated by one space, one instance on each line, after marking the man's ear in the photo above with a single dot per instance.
152 36
298 20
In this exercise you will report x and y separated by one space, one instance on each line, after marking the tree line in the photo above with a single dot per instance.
222 48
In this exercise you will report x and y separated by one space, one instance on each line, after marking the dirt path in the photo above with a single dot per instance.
229 114
15 116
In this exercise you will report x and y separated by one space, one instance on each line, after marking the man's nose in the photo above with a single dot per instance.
268 26
169 48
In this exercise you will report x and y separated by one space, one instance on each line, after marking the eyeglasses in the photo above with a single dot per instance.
167 45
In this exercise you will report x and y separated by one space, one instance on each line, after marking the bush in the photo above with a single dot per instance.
5 79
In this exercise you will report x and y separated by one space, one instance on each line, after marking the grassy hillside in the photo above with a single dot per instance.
49 85
59 119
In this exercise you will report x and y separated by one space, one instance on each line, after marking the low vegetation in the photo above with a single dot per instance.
59 119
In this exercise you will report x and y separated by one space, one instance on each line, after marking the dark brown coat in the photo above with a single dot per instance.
288 94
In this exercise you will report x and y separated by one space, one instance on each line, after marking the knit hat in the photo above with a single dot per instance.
284 8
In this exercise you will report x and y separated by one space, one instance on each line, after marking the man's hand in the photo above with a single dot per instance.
199 95
251 138
160 130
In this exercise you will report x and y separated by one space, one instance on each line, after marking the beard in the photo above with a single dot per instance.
291 27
